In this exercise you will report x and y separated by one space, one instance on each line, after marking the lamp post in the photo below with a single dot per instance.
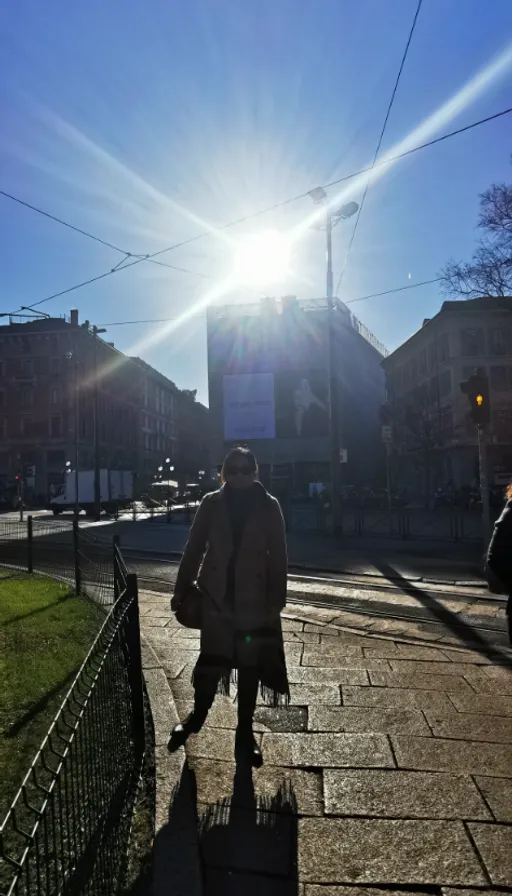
72 355
97 490
331 218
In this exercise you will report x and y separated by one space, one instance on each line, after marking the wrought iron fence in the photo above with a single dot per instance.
68 827
405 523
63 550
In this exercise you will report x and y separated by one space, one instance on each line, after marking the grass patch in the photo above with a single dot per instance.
45 634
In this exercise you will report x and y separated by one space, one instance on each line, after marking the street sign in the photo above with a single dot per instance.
343 456
386 434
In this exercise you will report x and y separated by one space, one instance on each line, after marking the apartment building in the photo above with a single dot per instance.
52 372
434 438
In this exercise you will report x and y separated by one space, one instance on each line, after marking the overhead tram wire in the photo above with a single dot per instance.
373 295
379 144
281 204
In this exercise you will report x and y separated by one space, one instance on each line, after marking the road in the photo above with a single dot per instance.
371 602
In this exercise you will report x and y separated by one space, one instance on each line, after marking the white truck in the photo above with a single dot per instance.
116 490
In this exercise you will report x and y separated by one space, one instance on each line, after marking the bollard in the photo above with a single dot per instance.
30 544
76 556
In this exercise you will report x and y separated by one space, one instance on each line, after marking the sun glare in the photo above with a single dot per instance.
262 259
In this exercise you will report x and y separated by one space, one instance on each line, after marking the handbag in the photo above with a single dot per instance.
190 611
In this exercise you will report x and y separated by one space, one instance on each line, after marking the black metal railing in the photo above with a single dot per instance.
68 827
63 550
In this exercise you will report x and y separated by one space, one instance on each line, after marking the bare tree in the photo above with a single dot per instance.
489 273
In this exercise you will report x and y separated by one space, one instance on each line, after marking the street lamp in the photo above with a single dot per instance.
332 217
97 490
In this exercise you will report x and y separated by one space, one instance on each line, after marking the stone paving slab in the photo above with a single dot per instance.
387 852
471 727
302 637
367 720
400 794
213 743
293 653
215 780
457 757
328 750
494 843
450 684
243 840
309 675
482 683
468 891
316 890
487 705
420 667
399 698
498 793
318 694
336 647
224 882
336 660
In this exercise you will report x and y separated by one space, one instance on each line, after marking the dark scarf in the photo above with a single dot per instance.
241 504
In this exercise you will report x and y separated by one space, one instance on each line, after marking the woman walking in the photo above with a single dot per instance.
499 555
237 544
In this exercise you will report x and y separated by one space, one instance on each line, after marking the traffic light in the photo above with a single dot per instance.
477 391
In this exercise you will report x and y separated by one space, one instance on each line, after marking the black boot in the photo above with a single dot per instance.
192 724
247 750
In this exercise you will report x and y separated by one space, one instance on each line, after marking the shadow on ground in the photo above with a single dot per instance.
484 643
242 845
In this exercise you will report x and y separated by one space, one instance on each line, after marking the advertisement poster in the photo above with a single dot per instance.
302 404
249 407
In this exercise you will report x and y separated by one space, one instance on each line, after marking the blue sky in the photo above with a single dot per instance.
138 121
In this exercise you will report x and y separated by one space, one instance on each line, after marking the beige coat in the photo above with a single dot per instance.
261 567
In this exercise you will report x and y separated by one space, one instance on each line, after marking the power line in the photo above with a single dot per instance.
379 143
90 236
373 295
97 239
284 202
388 292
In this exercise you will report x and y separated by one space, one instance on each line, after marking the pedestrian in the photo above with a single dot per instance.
499 557
237 552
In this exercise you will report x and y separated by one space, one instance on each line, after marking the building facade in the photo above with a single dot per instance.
434 438
268 374
53 374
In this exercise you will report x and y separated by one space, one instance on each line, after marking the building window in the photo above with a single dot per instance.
445 383
422 360
82 428
55 366
3 428
2 398
1 369
27 367
55 458
432 356
446 424
501 379
443 347
55 396
26 426
472 342
55 427
27 397
499 341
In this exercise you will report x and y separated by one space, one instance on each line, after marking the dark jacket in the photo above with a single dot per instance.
499 554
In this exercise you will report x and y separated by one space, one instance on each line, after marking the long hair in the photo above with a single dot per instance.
508 493
237 453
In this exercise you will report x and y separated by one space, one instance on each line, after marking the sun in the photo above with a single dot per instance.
262 259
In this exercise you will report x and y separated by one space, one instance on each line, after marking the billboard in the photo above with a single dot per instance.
249 407
302 404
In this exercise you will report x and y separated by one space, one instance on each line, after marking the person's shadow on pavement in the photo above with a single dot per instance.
248 844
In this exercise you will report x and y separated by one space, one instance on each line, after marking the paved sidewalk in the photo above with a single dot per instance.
392 768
